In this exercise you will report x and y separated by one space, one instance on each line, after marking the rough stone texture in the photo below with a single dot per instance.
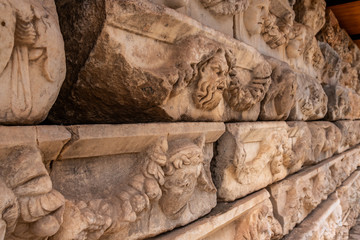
30 208
251 156
310 13
248 218
32 60
350 132
333 218
323 223
135 181
295 197
355 231
166 67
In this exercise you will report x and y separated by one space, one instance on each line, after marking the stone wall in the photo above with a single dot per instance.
177 119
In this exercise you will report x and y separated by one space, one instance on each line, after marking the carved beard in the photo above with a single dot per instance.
209 89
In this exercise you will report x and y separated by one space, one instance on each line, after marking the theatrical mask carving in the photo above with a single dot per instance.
169 175
32 60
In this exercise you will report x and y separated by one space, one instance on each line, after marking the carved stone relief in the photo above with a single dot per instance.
311 100
280 98
298 195
249 218
31 209
333 218
200 74
163 184
32 60
310 13
350 132
254 155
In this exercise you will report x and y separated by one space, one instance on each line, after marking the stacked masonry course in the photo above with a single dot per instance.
178 119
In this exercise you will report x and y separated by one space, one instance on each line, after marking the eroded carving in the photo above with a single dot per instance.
161 189
258 223
280 98
225 7
300 194
311 13
31 208
32 65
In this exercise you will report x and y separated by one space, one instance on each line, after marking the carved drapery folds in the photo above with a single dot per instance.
32 64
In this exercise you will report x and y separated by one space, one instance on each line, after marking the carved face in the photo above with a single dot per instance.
296 46
255 15
178 189
212 82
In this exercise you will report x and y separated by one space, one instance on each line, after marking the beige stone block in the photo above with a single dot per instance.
135 181
296 196
252 155
151 63
250 217
49 139
32 60
104 140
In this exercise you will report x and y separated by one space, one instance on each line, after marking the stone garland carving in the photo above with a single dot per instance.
171 173
30 208
32 60
298 195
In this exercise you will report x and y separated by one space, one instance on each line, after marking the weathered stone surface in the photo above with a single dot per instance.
248 218
32 60
166 67
282 94
250 156
355 231
295 197
310 13
333 218
135 181
323 223
310 100
30 208
340 82
350 134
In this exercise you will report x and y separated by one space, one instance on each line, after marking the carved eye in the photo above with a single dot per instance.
3 23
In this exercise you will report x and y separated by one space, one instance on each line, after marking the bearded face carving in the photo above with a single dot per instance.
212 77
